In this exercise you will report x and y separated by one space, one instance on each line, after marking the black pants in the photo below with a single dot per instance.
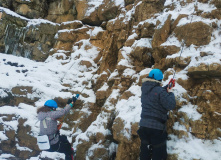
153 144
63 146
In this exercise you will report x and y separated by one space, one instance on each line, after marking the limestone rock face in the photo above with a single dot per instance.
142 56
162 33
145 30
147 8
205 128
65 10
66 38
20 136
205 70
30 9
160 54
20 95
128 41
61 11
197 33
217 3
95 15
21 39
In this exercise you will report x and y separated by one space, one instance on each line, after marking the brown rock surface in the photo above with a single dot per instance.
205 70
147 8
197 33
162 33
202 83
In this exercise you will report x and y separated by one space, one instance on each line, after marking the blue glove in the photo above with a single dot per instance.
74 99
69 101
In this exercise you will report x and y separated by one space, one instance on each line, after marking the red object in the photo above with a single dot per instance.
72 156
171 84
59 125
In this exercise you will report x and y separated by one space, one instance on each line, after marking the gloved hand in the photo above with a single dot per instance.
74 99
169 90
171 84
69 101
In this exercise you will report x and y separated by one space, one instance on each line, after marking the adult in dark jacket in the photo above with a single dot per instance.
156 102
48 116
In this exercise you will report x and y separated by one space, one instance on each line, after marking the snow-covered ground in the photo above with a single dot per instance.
45 78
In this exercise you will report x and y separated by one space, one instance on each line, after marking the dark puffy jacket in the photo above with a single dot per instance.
156 102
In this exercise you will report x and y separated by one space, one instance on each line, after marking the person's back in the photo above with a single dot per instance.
48 116
156 102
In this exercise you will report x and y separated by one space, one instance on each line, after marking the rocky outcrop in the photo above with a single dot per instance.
61 11
65 10
196 33
162 33
147 9
206 126
205 70
30 9
95 14
22 37
19 138
128 41
68 35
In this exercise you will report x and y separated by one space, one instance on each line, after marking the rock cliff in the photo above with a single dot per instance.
117 43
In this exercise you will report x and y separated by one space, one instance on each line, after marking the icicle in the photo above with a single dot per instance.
27 54
23 39
6 29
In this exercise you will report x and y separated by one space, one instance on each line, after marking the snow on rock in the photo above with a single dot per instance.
191 112
193 148
121 105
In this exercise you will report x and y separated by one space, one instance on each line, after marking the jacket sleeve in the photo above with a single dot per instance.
167 99
57 114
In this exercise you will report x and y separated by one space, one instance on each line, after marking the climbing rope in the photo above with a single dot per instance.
67 72
182 44
77 96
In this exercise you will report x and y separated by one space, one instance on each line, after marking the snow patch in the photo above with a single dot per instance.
191 111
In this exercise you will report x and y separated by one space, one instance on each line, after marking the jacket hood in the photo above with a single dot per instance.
150 80
148 84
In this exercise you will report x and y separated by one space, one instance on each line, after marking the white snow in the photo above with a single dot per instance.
3 93
191 112
3 137
143 42
104 87
30 114
52 155
46 80
119 3
129 110
125 61
193 148
23 148
95 31
6 156
9 12
179 127
128 72
92 6
69 22
133 36
31 22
